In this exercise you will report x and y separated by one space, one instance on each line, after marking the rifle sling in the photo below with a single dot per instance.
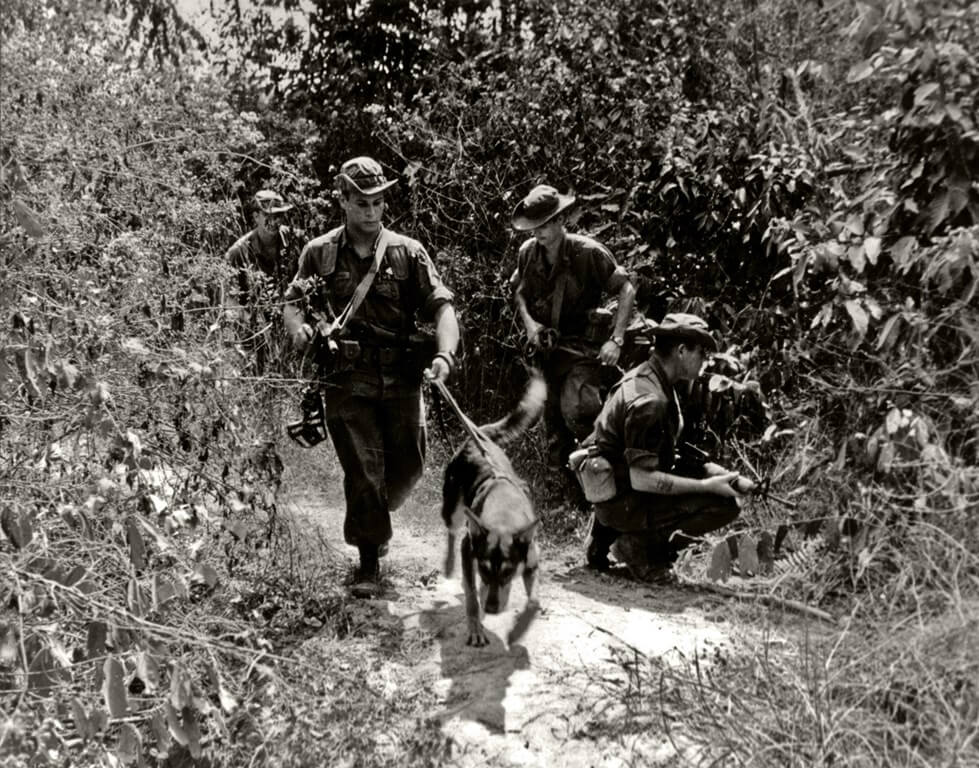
360 292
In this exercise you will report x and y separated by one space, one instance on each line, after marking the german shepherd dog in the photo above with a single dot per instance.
482 490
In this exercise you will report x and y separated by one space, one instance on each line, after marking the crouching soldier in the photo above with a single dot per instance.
368 286
559 285
646 504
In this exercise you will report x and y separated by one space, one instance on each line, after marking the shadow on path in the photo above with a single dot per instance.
479 676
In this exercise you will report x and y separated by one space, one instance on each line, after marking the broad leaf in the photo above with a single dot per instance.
148 670
858 316
893 421
78 715
747 555
923 92
17 527
175 726
159 724
95 642
871 247
720 562
181 693
28 219
114 688
44 672
137 549
887 335
130 744
860 71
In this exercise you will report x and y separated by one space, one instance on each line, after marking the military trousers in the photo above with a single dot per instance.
574 400
381 447
653 527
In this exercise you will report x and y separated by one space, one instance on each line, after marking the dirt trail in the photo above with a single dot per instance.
540 699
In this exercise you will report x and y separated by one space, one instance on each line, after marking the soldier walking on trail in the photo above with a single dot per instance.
263 268
372 285
559 284
260 256
647 502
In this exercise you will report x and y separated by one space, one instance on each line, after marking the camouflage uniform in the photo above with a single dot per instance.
574 374
638 427
373 404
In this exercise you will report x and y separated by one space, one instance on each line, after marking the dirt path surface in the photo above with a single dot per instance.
547 696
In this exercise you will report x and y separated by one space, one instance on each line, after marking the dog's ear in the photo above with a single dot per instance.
524 534
474 519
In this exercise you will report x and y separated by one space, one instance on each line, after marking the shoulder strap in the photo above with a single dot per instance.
360 292
562 263
558 300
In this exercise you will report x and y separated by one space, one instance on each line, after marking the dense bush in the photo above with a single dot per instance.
802 175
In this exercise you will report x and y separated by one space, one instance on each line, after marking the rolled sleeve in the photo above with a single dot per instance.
609 274
645 431
431 289
617 279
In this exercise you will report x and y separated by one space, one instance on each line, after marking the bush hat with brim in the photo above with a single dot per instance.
365 175
269 201
541 205
686 327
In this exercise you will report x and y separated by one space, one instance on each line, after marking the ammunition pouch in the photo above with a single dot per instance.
411 354
599 326
595 474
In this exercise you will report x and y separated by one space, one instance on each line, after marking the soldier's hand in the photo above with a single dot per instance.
533 334
302 337
722 485
743 485
438 370
609 353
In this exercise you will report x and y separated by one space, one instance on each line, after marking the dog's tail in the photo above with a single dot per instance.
524 416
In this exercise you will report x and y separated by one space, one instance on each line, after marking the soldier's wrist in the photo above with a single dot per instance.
448 358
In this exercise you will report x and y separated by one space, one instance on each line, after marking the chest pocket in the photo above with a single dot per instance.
342 285
392 277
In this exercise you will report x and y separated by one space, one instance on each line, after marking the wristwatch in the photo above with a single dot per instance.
618 341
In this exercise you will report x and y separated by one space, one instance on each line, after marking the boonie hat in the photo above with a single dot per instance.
365 175
269 201
681 325
540 205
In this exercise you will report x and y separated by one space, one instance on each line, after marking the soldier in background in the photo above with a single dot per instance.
262 255
372 392
264 265
559 285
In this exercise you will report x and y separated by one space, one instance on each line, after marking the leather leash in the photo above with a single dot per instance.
471 429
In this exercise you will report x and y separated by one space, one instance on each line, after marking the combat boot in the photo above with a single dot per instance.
597 545
367 578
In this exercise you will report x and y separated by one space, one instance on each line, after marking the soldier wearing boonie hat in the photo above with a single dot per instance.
560 279
262 248
373 403
264 265
654 505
